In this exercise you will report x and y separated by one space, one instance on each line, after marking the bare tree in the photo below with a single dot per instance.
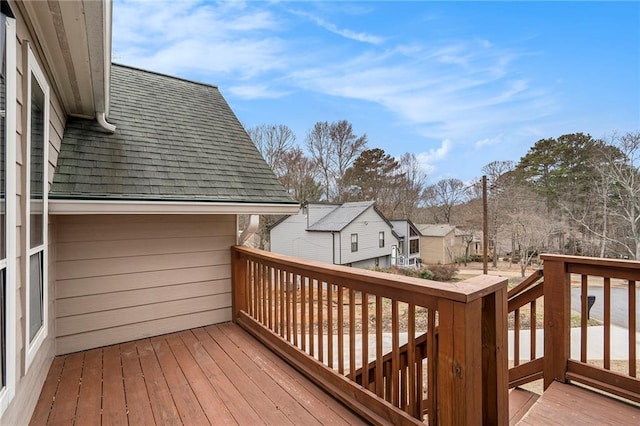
443 195
619 189
501 186
299 178
412 186
273 142
319 144
346 147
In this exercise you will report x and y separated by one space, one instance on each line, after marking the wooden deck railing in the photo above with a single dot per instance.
526 367
395 349
597 370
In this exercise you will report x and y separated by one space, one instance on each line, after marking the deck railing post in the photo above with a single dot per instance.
459 365
557 337
495 372
238 283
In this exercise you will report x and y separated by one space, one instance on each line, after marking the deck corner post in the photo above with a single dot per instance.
238 283
495 373
459 362
557 338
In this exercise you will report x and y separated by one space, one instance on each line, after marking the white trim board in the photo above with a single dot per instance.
64 207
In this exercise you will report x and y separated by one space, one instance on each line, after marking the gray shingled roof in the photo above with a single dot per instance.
431 230
175 140
340 217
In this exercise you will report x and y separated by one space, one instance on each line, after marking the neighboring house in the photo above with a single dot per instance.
409 248
354 234
109 234
440 244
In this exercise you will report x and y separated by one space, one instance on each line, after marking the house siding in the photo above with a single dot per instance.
30 379
367 226
290 238
121 278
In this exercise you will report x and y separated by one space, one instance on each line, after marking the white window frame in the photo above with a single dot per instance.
32 347
8 391
381 239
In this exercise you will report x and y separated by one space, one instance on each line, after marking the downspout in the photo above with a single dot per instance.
102 121
250 230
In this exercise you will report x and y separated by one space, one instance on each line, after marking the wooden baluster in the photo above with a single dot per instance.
330 306
312 324
411 361
303 313
270 289
365 339
607 323
395 353
265 278
584 309
516 337
288 289
632 329
281 297
340 329
320 321
254 290
294 306
533 328
432 367
379 373
352 334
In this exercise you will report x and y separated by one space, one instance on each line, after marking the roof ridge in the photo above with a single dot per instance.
166 75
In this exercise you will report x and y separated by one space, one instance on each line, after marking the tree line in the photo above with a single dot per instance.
573 194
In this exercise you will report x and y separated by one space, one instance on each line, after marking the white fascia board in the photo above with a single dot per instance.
71 207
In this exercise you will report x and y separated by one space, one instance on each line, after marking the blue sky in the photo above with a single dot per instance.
459 84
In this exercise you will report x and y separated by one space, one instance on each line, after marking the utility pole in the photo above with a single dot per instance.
485 228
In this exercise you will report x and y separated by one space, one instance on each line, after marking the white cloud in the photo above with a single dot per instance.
428 159
489 141
346 33
255 92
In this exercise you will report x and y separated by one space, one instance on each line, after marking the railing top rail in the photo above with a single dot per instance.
595 261
463 291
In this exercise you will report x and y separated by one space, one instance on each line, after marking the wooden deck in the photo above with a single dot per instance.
563 404
212 375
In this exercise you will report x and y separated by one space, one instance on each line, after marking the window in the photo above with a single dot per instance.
7 206
381 239
37 140
414 246
354 242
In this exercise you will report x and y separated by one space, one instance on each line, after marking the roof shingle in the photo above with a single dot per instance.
175 140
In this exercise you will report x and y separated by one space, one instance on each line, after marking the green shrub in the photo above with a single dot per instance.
426 275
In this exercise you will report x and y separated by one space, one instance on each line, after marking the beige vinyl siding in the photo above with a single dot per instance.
29 381
121 278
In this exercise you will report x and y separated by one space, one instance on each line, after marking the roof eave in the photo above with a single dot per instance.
85 207
75 40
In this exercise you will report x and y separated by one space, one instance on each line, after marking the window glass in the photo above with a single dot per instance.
36 319
354 242
36 237
414 246
381 239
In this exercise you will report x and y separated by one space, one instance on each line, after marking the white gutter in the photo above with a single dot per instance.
64 207
250 230
102 121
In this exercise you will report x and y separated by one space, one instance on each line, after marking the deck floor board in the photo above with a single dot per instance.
216 375
564 404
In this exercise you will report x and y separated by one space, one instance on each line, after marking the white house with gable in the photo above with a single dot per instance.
353 234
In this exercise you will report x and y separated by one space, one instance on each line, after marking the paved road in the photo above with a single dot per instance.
619 304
